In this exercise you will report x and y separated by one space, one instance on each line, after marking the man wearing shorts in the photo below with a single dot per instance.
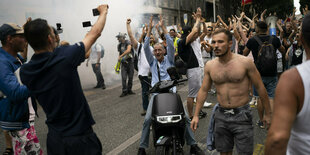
270 79
231 74
189 49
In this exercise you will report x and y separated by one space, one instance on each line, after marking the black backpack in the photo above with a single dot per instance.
266 61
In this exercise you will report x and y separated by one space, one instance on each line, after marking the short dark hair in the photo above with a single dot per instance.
226 32
172 30
305 30
3 41
261 25
36 33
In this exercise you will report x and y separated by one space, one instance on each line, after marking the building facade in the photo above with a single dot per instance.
177 11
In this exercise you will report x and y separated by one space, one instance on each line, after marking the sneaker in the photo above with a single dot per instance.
202 114
196 150
123 94
103 87
141 151
260 124
207 104
98 86
143 113
131 93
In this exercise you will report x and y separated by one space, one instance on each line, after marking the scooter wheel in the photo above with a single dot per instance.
162 150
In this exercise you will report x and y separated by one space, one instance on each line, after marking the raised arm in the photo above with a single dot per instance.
262 15
195 31
170 46
221 20
146 45
144 31
133 41
97 28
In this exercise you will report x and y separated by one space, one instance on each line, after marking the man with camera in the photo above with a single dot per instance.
127 66
52 77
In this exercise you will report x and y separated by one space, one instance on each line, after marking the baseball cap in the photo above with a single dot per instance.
10 29
121 35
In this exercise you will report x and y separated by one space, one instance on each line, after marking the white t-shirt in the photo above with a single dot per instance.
197 50
143 65
95 49
204 53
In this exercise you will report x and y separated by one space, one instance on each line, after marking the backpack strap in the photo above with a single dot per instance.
258 40
139 49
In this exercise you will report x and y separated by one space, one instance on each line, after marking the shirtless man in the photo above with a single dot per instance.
231 74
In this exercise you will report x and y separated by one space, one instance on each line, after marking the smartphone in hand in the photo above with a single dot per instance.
96 12
86 24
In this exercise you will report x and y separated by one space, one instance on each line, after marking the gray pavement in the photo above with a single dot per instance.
119 123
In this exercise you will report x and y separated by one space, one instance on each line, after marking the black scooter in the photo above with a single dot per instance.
168 117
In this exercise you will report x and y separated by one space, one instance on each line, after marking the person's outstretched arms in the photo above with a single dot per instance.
146 46
96 30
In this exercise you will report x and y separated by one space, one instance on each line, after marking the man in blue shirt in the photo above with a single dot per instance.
52 77
14 110
159 63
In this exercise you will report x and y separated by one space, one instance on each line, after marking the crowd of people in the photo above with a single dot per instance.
242 62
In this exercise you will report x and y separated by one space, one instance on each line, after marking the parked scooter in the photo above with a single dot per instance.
168 116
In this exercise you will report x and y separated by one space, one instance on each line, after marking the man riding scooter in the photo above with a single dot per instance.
158 66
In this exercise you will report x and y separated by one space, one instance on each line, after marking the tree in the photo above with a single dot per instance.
283 8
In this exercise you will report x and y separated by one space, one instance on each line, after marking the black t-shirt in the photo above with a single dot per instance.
253 45
187 54
52 77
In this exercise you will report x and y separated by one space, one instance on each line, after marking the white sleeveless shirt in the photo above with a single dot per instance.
299 142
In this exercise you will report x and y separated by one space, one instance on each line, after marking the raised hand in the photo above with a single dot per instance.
161 21
103 8
128 21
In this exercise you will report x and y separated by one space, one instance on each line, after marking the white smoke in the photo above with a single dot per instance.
71 14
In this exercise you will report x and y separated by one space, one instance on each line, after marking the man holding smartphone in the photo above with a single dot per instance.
52 77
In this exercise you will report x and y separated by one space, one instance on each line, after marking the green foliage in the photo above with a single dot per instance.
283 8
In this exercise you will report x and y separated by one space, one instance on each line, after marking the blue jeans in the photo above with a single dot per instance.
144 141
145 88
99 77
270 84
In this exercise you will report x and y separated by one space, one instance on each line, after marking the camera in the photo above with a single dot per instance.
58 28
86 24
96 12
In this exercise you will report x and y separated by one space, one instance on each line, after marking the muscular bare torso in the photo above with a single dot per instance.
231 81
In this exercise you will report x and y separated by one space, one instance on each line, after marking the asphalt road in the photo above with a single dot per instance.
119 123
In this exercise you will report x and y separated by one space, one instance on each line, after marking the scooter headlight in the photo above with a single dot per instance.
169 119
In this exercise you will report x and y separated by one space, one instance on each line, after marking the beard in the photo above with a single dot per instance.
221 55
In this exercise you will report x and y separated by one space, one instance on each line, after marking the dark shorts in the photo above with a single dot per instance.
84 144
234 126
